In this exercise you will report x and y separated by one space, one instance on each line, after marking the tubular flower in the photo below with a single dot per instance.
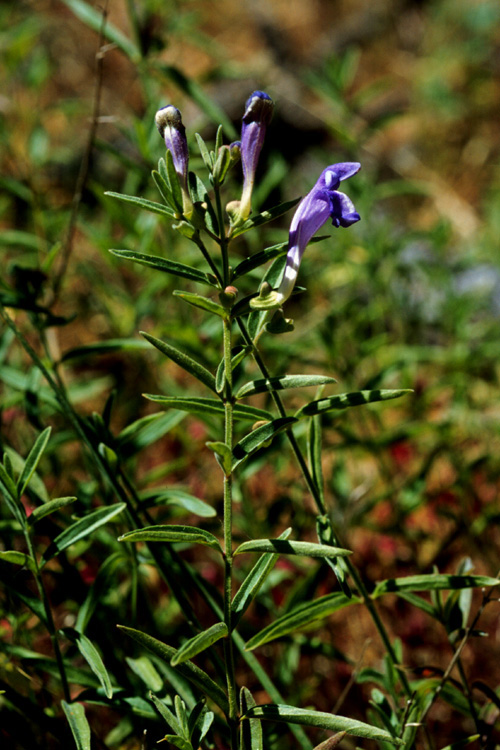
324 201
258 112
168 120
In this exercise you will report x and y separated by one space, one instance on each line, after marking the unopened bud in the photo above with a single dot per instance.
228 297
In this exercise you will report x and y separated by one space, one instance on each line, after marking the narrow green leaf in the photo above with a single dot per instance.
283 547
223 454
171 535
292 715
75 714
9 492
18 558
301 616
205 153
178 742
432 582
191 672
256 439
252 583
201 199
145 431
91 656
47 508
171 267
93 18
264 217
17 589
176 496
204 303
257 260
280 383
33 460
345 400
81 529
144 668
200 642
105 579
147 205
163 185
166 714
198 405
183 360
250 729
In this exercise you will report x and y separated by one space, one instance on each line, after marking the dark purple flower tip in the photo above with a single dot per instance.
342 211
258 108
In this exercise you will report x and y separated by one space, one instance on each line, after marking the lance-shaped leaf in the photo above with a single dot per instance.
252 583
204 303
257 260
14 557
75 714
178 742
183 360
145 431
284 547
264 217
256 439
155 208
171 535
47 508
280 383
33 460
292 715
81 529
179 497
345 400
91 656
250 729
164 711
301 616
9 491
198 405
188 670
432 582
171 267
199 643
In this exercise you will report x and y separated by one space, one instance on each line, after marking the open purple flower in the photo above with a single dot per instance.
169 123
324 201
258 112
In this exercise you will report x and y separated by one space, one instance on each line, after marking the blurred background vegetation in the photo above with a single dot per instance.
409 297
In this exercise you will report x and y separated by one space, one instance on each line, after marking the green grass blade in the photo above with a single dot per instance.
283 547
171 267
280 383
432 582
346 400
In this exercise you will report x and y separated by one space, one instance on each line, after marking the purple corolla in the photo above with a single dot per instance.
169 123
324 201
258 112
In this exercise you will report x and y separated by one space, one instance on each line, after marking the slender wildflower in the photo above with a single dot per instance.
324 201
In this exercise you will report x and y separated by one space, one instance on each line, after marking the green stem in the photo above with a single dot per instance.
355 575
228 533
222 239
48 615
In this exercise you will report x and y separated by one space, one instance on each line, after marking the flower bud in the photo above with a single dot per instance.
168 120
258 112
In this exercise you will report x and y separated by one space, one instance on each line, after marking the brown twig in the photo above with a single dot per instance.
85 163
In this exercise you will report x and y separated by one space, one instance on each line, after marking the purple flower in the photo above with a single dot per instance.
324 201
169 123
258 112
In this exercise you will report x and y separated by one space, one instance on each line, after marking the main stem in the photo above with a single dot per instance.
355 575
228 535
